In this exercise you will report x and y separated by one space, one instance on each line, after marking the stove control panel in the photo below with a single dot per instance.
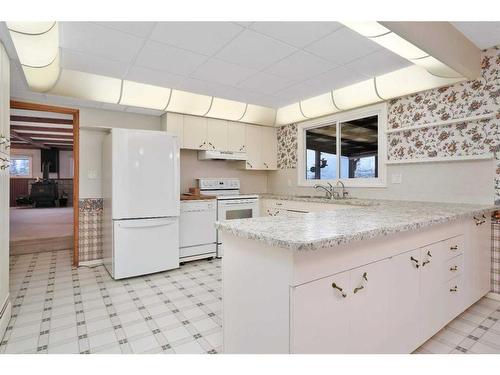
218 183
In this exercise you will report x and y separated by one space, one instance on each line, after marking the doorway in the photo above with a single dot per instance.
44 179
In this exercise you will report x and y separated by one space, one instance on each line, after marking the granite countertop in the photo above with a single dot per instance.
320 199
373 218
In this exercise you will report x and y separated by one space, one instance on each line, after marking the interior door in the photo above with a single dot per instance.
145 174
145 246
404 303
320 316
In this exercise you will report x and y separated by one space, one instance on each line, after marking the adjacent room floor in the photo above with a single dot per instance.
60 310
40 229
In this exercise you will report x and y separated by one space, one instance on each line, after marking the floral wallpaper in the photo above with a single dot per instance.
90 232
287 146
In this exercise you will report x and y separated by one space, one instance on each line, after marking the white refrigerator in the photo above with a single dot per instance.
141 202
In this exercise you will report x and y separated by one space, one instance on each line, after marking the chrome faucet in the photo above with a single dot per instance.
344 192
328 190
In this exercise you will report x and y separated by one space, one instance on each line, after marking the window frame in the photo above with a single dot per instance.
30 162
379 110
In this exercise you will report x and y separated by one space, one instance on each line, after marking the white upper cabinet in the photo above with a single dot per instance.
217 134
261 147
4 101
174 126
236 137
195 133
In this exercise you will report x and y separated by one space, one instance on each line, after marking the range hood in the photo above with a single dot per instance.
221 155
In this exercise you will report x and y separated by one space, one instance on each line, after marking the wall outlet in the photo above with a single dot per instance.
396 178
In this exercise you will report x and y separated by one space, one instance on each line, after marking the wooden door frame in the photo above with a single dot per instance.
14 104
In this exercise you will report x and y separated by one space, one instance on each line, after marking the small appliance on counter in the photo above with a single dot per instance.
198 238
141 202
230 203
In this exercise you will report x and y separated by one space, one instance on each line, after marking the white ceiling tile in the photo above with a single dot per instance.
204 87
219 71
201 37
140 29
336 78
265 83
482 34
378 63
87 37
300 65
254 50
298 92
159 56
298 34
92 64
246 96
245 24
154 77
343 46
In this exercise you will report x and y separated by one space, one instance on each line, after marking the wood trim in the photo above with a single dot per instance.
14 134
41 129
14 104
41 120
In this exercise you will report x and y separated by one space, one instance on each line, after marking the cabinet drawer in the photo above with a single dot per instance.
454 291
454 267
454 246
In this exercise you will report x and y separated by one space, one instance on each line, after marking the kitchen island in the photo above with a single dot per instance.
378 277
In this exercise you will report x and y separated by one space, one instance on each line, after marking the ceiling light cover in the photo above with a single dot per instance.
189 103
37 50
256 114
226 109
31 27
318 106
87 86
42 79
142 95
357 95
290 113
436 67
400 46
408 81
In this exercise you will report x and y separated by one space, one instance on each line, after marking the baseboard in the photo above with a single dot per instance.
92 263
5 313
495 296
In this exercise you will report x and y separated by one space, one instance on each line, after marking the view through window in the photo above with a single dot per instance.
20 166
343 150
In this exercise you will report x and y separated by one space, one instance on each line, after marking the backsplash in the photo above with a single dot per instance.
90 232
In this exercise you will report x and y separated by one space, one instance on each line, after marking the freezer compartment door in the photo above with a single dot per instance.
145 174
145 246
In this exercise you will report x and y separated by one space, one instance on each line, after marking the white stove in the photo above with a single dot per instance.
230 203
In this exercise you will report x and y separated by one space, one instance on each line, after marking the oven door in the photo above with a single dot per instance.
230 209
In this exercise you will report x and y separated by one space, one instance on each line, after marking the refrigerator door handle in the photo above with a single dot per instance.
145 225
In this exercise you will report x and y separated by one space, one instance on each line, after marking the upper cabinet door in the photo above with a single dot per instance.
175 126
269 147
217 134
236 137
195 133
4 99
253 147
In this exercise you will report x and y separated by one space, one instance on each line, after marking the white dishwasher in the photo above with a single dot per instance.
197 238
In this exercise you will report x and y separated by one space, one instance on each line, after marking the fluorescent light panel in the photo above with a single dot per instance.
142 95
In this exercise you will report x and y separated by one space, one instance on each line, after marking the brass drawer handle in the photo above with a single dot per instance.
335 286
454 289
365 279
427 261
454 268
454 247
415 262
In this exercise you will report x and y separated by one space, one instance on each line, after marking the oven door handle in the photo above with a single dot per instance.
250 205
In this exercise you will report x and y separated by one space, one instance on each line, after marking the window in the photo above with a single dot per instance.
348 146
20 166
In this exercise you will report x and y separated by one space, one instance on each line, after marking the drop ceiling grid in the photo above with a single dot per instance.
215 70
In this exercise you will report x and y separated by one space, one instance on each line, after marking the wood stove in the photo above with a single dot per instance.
44 193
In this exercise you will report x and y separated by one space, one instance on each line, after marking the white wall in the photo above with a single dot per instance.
65 164
93 124
463 182
192 168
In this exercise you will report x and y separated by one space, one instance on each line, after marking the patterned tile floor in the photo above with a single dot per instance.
60 310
